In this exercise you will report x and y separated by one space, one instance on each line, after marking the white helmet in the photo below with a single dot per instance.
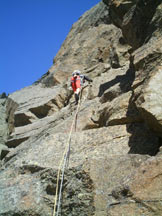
77 72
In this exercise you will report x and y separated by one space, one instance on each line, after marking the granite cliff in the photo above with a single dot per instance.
115 165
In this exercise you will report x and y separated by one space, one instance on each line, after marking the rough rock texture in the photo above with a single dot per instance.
115 164
3 127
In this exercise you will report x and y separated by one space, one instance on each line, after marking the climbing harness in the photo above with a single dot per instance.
65 160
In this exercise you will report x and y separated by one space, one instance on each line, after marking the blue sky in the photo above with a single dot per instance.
31 33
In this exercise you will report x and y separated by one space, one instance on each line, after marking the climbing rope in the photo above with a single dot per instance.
64 159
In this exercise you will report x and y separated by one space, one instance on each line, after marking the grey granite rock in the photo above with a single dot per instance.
114 165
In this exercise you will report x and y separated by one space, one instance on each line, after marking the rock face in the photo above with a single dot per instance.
115 164
3 127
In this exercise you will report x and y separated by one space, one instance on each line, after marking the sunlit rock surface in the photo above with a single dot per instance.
115 156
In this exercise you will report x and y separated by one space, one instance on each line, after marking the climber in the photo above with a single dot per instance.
77 81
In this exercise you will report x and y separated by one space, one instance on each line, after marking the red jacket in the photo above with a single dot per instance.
76 82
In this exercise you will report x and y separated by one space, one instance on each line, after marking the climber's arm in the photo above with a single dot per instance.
88 79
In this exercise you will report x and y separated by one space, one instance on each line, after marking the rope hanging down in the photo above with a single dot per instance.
64 160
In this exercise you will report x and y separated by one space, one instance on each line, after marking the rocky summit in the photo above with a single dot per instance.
115 162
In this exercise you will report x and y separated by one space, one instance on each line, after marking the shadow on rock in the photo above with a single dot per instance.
142 140
125 81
